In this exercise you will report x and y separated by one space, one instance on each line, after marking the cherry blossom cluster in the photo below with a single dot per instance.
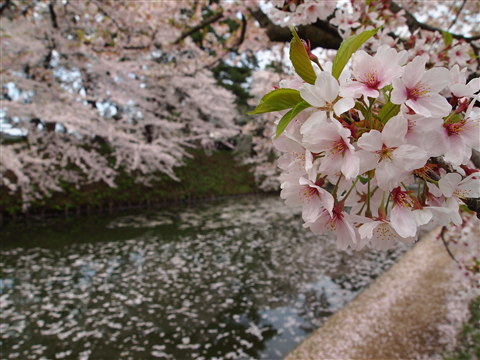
441 48
379 150
352 17
289 12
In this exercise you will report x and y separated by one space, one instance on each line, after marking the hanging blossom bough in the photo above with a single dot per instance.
375 153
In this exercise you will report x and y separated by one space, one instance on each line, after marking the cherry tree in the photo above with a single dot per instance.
94 88
99 87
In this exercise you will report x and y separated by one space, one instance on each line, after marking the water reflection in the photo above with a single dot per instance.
234 279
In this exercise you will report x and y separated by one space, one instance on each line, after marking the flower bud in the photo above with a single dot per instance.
307 46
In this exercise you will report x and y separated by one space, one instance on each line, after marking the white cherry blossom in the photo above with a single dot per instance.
324 93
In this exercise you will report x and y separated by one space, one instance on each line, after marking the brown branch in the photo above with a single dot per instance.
413 24
241 38
4 5
200 26
53 15
321 34
458 14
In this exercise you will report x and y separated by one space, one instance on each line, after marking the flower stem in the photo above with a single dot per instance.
350 190
335 189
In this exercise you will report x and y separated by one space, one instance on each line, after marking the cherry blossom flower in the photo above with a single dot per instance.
418 89
458 83
462 136
324 94
402 218
321 135
387 153
455 189
453 186
426 133
373 72
339 222
380 234
296 159
313 10
345 20
309 195
459 54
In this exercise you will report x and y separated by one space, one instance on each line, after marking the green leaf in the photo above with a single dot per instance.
361 108
289 116
363 180
388 111
447 38
276 100
347 48
300 60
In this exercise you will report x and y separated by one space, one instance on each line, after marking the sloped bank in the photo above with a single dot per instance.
413 311
204 176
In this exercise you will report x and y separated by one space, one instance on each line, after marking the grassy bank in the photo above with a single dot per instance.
202 176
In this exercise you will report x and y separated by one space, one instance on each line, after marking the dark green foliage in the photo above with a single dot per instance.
202 176
234 78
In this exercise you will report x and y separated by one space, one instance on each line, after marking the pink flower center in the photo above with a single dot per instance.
401 198
420 90
337 215
372 80
339 147
309 192
385 152
454 129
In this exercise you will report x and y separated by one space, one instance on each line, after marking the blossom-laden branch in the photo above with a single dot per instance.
390 136
322 34
203 24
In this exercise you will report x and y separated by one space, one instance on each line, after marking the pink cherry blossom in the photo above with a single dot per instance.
380 234
345 20
426 133
418 89
458 83
339 222
296 159
313 10
387 153
309 195
373 72
402 219
329 137
462 136
454 188
452 185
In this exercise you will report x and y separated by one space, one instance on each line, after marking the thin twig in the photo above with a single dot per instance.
200 26
458 14
445 243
